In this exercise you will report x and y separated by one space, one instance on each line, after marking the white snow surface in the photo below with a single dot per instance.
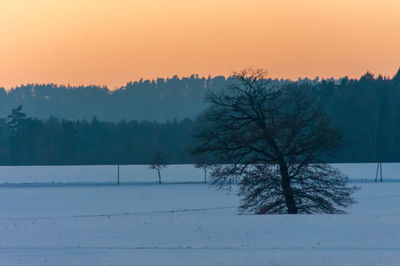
143 174
184 224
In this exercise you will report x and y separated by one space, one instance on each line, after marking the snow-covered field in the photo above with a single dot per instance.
142 174
184 224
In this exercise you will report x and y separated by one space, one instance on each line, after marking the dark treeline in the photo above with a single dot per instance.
366 110
153 100
27 141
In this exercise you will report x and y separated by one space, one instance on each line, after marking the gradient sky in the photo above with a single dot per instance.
112 42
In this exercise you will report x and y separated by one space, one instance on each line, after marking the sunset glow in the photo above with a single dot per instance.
113 42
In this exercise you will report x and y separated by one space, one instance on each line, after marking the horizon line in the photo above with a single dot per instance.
196 76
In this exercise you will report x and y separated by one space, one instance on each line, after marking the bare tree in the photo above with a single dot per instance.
271 140
204 164
157 164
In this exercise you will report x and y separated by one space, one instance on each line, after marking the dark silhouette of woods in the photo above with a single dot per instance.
179 98
271 140
365 110
28 141
153 100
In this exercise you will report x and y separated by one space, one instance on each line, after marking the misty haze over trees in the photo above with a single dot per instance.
366 110
157 100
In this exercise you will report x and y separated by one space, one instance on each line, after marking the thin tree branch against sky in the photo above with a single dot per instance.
113 42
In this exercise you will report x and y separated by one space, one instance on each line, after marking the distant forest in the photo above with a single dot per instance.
92 125
152 100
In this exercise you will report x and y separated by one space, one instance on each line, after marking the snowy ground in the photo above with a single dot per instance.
188 224
142 174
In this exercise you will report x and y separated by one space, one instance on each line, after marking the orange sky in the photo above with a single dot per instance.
112 42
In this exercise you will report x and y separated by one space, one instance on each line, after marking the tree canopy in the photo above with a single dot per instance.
271 140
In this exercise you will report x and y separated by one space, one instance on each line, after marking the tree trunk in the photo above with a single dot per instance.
205 176
287 190
159 176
